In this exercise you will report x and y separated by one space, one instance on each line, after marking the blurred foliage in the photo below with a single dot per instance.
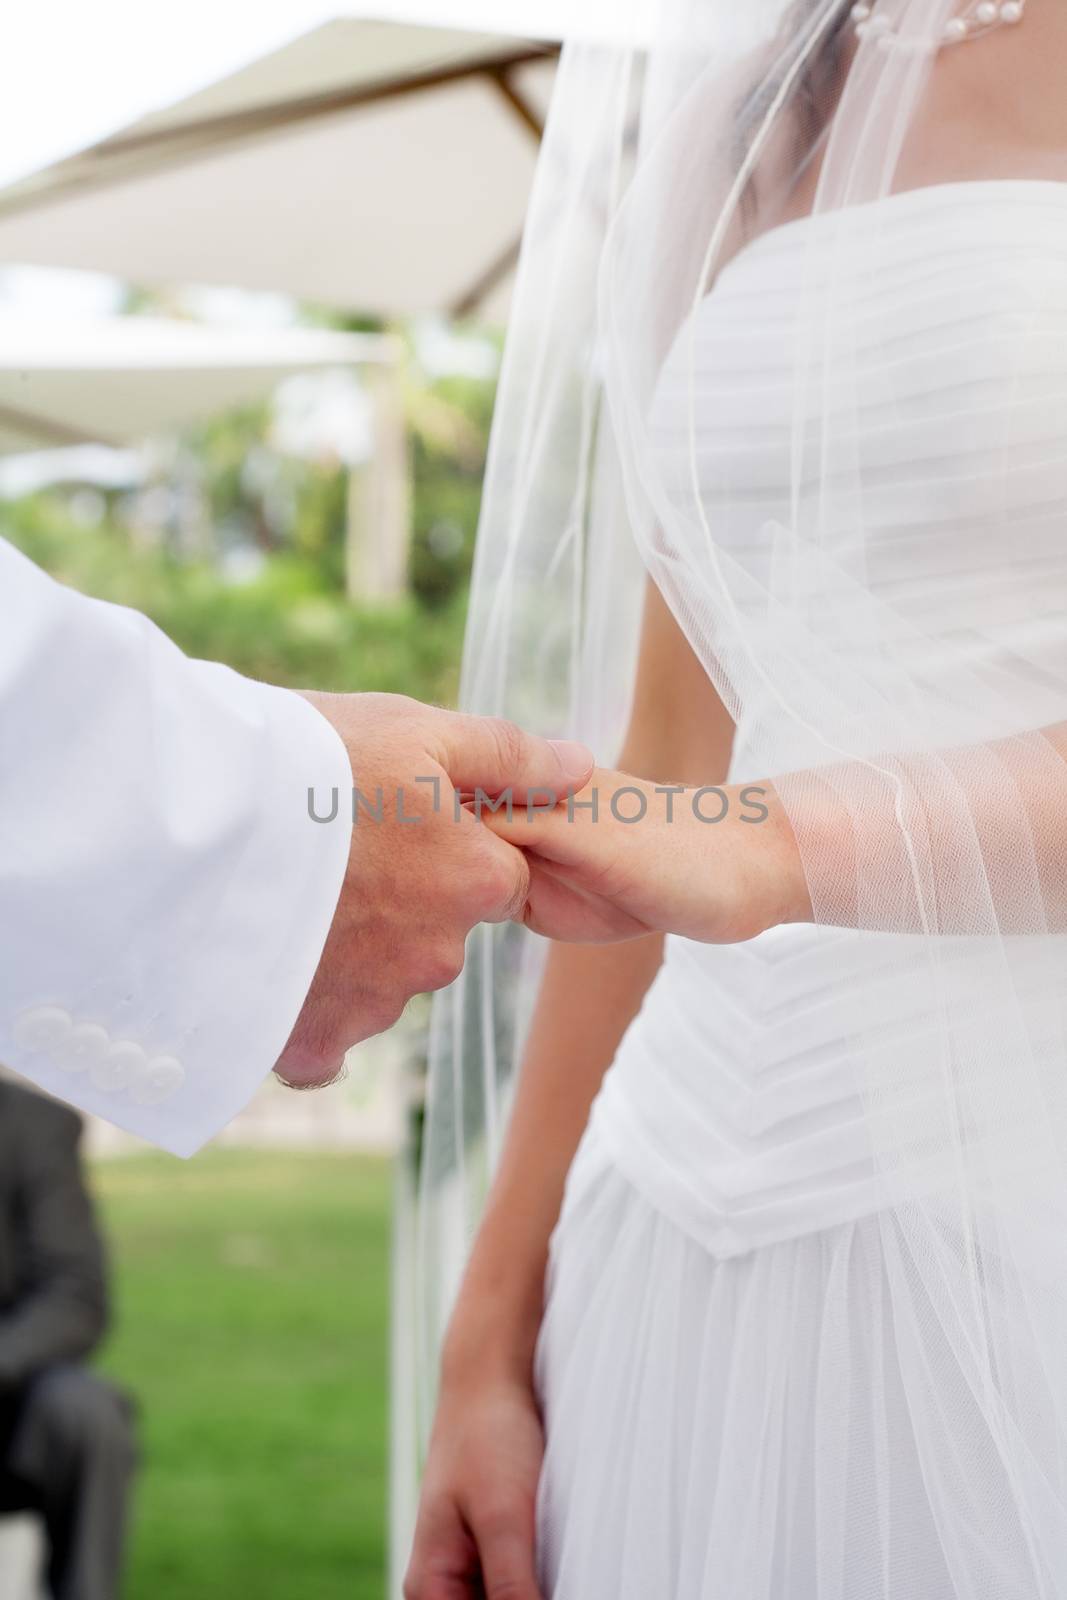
251 1314
286 625
449 420
252 1289
450 428
246 562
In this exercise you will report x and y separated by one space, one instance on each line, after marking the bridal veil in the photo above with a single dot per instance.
926 795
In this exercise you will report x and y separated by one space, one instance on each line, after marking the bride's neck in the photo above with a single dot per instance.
1007 89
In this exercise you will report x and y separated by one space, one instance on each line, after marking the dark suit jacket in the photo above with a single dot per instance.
53 1282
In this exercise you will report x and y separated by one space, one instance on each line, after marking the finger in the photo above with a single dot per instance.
309 1073
559 910
557 833
491 754
444 1559
505 1541
511 883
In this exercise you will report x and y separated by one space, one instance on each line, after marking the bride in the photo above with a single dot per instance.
768 1299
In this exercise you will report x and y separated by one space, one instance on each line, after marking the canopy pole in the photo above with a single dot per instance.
380 500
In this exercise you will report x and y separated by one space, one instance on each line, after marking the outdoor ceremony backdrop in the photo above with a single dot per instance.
252 1286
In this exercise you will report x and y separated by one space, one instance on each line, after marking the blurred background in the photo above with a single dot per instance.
254 277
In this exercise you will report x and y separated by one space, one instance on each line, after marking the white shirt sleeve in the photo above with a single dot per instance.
164 893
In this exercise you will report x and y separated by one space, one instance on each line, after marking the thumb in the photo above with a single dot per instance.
493 754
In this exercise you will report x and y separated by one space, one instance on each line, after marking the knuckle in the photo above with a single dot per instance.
511 1581
515 887
381 1014
439 967
413 1587
394 1009
501 1525
497 884
510 741
399 704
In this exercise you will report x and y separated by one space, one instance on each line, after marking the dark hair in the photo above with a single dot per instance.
815 94
816 91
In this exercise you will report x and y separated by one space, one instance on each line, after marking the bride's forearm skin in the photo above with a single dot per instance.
476 1527
962 841
587 1000
678 725
476 1523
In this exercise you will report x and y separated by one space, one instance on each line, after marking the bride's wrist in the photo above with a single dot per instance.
780 887
482 1344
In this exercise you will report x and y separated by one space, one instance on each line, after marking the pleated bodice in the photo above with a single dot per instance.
734 1101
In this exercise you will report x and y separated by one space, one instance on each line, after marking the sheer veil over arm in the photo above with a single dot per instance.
875 674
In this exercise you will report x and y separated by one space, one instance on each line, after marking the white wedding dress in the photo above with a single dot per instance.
731 1411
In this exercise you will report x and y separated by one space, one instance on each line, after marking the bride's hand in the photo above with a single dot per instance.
627 858
475 1529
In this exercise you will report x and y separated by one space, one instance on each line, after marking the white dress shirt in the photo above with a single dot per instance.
164 894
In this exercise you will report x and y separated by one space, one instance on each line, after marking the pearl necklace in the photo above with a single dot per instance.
977 18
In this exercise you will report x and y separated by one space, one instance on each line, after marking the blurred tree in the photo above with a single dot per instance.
285 624
450 426
239 550
236 476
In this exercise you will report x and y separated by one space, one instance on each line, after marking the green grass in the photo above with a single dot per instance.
251 1304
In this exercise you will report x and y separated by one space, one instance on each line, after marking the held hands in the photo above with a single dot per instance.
613 858
420 876
626 858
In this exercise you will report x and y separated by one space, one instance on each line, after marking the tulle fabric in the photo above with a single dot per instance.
892 648
740 1427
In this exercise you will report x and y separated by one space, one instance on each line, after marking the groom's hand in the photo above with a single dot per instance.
421 872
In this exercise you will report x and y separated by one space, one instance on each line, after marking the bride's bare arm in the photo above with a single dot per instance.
478 1496
969 839
678 726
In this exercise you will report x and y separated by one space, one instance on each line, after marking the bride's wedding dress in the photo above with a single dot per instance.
732 1411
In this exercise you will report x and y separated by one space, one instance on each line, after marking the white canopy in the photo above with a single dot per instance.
375 166
121 378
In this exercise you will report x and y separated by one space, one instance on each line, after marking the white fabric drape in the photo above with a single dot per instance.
833 428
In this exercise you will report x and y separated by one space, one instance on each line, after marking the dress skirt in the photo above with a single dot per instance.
725 1429
806 1324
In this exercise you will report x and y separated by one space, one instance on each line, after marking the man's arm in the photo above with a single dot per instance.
172 921
62 1309
164 897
